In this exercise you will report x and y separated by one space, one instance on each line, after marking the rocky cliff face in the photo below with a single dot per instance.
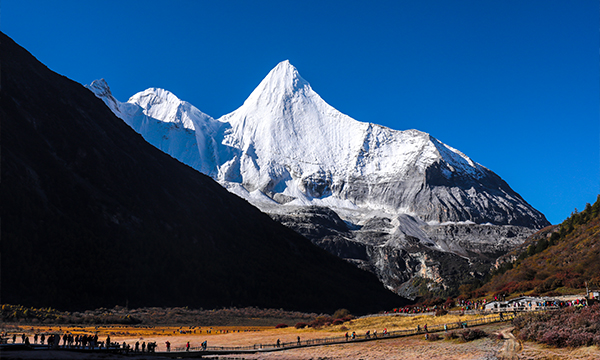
407 254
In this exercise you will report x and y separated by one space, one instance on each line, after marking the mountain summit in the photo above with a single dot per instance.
282 81
286 149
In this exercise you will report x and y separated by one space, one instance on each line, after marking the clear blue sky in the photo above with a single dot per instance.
513 84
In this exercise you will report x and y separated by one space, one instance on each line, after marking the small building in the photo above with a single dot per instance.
593 294
496 306
521 303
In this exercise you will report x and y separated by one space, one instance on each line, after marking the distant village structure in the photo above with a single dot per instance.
531 303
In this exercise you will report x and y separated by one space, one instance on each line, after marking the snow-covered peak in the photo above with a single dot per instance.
101 89
164 105
283 78
283 81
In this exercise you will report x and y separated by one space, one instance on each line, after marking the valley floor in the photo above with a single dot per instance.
412 347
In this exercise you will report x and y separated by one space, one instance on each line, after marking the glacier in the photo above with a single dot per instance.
285 149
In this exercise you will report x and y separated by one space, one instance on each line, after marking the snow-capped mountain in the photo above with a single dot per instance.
287 143
285 148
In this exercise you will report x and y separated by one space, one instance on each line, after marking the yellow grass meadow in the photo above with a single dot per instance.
360 325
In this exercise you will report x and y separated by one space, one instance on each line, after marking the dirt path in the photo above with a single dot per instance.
512 346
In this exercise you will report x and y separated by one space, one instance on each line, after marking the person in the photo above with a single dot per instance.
375 333
278 342
35 338
346 336
425 327
108 341
187 346
445 327
137 346
168 346
42 339
144 346
298 340
204 345
418 328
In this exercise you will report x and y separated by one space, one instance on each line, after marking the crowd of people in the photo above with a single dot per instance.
67 340
82 341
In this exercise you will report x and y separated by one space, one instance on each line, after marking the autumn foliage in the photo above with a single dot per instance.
562 261
569 327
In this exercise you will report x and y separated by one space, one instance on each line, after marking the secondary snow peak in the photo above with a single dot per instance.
101 89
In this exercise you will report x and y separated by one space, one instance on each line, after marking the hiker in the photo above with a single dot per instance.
108 341
137 346
42 339
298 340
346 336
144 346
204 345
367 336
35 338
425 327
168 346
445 327
418 328
278 342
375 333
353 335
187 346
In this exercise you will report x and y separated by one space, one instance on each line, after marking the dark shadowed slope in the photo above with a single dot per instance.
92 215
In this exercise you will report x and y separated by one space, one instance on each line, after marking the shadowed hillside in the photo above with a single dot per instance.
93 216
